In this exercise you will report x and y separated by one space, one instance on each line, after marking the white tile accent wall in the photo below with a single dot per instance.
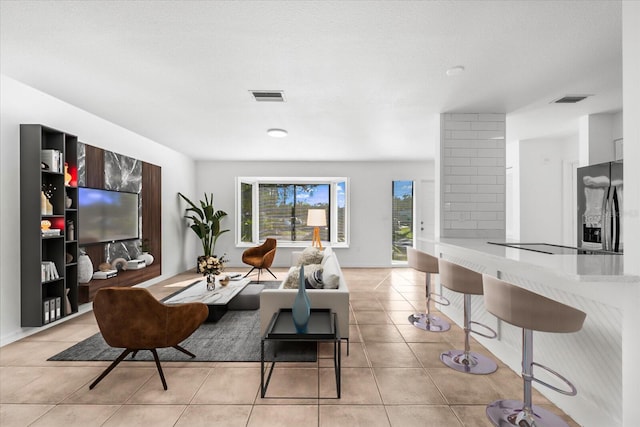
472 175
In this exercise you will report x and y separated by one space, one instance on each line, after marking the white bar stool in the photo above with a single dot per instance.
467 282
531 312
428 264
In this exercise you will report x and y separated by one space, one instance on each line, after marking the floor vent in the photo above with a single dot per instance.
268 95
570 99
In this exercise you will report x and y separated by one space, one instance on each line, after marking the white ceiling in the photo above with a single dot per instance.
363 80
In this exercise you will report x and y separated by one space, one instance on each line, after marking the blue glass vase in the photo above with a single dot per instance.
301 310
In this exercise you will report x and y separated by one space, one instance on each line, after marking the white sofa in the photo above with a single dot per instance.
271 300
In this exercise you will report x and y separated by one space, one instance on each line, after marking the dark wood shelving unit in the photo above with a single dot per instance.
34 247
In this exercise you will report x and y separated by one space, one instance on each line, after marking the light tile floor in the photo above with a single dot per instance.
392 377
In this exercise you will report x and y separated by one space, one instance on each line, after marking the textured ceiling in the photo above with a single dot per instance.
363 80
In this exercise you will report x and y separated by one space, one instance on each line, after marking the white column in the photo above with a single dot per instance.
472 173
596 135
631 124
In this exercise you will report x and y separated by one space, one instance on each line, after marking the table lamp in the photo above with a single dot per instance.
316 218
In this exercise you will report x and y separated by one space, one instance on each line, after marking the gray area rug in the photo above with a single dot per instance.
234 338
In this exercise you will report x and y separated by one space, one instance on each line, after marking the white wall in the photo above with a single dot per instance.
596 135
542 187
23 104
370 203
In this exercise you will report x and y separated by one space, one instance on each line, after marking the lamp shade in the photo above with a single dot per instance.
316 218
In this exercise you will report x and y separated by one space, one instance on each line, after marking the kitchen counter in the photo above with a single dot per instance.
591 358
576 267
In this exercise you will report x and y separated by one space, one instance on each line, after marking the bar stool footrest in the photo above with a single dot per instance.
571 392
491 336
439 299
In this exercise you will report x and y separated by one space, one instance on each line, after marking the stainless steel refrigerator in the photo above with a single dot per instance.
600 207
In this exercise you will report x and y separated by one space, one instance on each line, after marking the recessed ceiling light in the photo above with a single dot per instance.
454 71
277 133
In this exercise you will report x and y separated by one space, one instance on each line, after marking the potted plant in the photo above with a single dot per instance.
205 222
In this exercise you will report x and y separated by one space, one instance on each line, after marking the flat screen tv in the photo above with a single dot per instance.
107 216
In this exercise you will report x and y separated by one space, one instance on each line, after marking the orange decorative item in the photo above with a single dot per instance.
45 224
316 218
67 175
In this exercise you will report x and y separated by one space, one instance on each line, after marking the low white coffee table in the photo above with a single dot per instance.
217 300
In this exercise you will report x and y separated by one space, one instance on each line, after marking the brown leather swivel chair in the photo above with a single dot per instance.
131 318
261 257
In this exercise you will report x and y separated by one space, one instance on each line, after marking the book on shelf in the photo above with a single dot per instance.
53 159
105 274
49 271
51 232
46 311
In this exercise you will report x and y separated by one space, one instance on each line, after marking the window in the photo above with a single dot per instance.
277 207
402 219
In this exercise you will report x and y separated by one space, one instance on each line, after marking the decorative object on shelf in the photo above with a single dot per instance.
146 257
49 208
69 258
67 175
46 208
105 266
45 224
43 203
224 280
316 218
205 222
85 268
301 310
67 302
71 232
119 264
53 158
67 201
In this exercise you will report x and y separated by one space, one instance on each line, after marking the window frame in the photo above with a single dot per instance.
255 181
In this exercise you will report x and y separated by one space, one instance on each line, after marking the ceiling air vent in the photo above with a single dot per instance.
570 99
268 95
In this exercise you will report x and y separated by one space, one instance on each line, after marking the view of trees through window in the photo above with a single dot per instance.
402 219
283 210
282 207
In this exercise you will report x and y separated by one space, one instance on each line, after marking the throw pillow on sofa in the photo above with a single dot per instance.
291 282
310 255
330 272
313 277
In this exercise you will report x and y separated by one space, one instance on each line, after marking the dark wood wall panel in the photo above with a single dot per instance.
96 254
94 170
94 166
151 212
152 209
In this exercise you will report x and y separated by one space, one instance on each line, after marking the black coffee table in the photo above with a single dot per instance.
322 327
